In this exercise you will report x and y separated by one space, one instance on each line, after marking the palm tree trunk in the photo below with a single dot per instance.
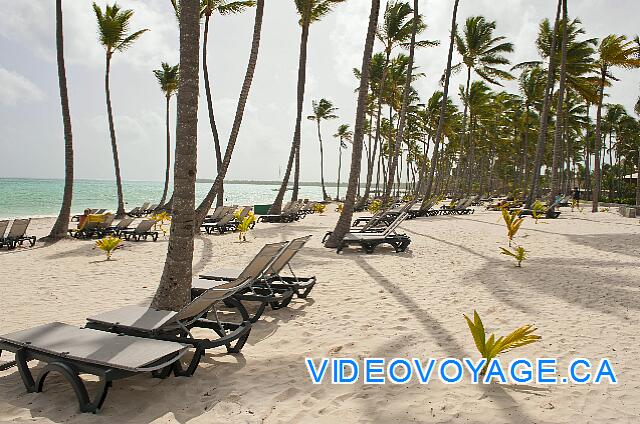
443 106
112 132
339 168
525 150
393 164
544 116
205 205
61 225
638 181
166 174
462 161
295 146
212 119
174 290
557 138
324 190
598 140
344 222
370 163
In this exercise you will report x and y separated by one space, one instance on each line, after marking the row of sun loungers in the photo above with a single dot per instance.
16 235
101 226
224 219
144 210
292 211
133 340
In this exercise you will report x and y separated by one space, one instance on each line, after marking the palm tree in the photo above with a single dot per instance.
443 106
613 51
174 290
322 110
405 101
481 52
344 222
205 205
113 31
61 225
310 11
167 77
207 7
343 134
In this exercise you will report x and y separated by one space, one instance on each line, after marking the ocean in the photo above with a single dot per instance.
22 197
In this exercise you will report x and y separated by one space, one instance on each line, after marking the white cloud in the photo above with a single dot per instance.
17 89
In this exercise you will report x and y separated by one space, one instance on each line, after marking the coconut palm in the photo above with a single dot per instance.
323 110
443 106
310 11
61 225
207 8
482 53
614 51
167 77
344 222
343 134
113 32
174 290
205 205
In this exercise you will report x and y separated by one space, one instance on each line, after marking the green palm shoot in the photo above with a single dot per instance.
108 244
340 208
161 218
512 222
519 254
245 225
491 347
375 206
537 210
319 207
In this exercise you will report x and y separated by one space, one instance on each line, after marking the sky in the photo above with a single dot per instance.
31 138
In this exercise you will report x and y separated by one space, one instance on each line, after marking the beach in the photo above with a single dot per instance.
580 287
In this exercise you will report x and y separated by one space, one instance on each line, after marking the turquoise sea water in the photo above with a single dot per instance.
37 198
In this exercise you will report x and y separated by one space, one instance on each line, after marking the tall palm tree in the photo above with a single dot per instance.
544 115
167 77
113 32
323 110
343 134
174 290
613 51
481 52
310 11
61 225
443 106
344 222
416 23
207 7
205 205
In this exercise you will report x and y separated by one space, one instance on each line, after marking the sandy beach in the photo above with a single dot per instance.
579 287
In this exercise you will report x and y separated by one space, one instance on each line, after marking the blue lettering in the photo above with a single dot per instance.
317 376
373 366
525 375
495 370
393 365
605 370
572 370
443 375
424 375
543 370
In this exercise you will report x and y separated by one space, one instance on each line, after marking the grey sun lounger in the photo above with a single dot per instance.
173 326
3 229
71 351
261 292
369 241
271 274
289 213
226 224
142 231
17 234
118 228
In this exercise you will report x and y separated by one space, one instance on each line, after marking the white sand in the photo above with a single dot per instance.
580 287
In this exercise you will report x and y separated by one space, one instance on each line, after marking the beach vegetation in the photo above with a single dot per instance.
492 346
319 207
512 222
245 226
518 253
108 244
375 206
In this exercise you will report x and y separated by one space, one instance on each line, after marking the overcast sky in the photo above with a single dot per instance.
31 142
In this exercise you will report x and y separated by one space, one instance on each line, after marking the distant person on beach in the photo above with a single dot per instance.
83 218
576 198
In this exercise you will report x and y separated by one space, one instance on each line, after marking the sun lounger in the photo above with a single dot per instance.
289 213
77 217
370 240
272 274
139 211
142 231
3 229
226 224
173 326
260 290
17 234
549 212
115 230
71 351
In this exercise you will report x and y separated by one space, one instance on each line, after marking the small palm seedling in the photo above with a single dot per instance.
375 206
512 222
519 254
108 244
245 226
537 210
319 207
491 347
340 208
160 219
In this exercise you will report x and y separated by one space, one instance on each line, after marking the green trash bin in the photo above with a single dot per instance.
261 209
